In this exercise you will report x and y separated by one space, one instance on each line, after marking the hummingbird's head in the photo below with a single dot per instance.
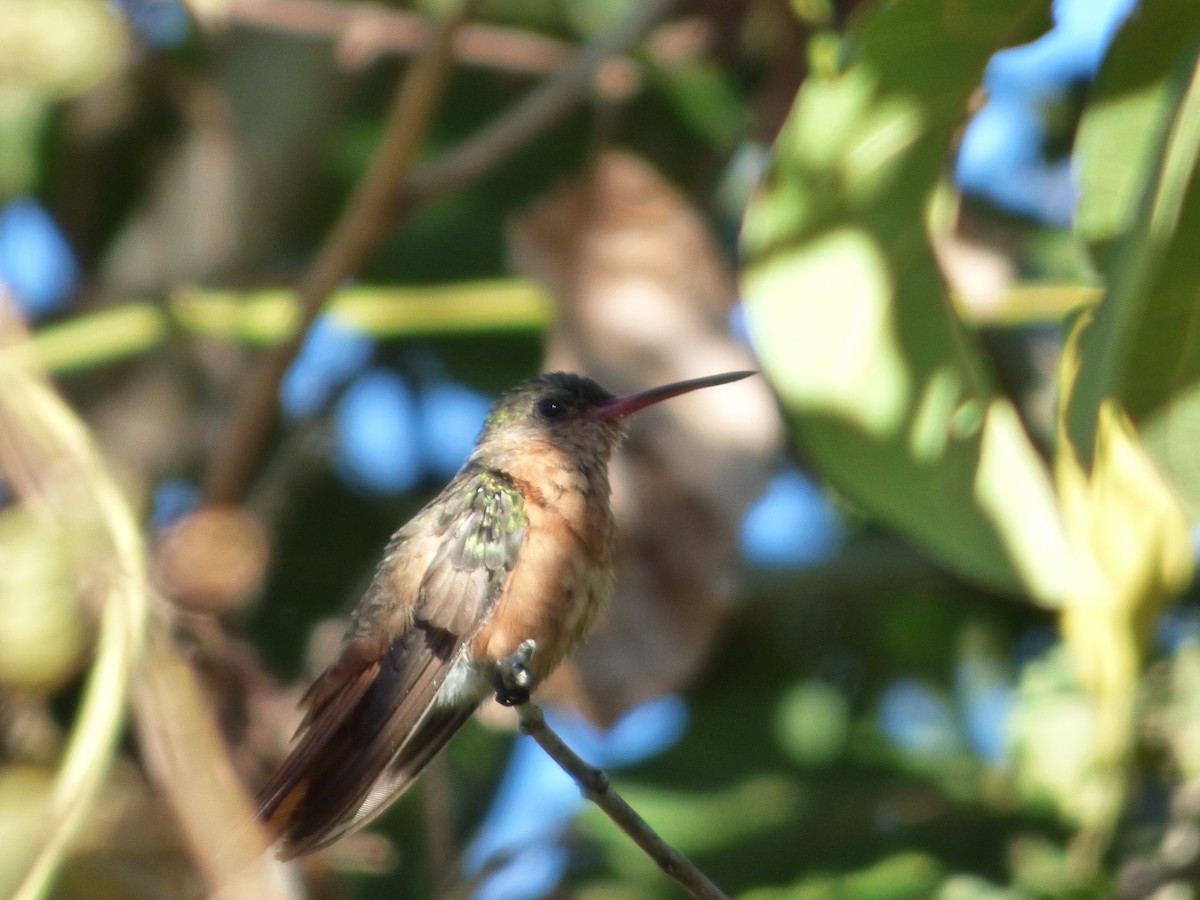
557 409
574 413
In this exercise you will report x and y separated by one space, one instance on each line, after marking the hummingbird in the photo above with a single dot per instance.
483 593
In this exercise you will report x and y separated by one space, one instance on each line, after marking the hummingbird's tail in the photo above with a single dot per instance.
312 829
372 728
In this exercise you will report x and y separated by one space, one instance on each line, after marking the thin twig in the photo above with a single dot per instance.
540 109
364 223
597 787
363 30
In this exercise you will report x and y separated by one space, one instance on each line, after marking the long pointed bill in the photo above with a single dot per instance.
625 406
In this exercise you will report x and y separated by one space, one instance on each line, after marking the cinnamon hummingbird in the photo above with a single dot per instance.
503 571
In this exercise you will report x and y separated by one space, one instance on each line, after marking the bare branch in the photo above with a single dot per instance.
365 221
387 194
597 787
544 106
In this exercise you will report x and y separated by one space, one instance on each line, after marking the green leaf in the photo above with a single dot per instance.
1129 111
1139 145
903 876
812 723
704 97
852 320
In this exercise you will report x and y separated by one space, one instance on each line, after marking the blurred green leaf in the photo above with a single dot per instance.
49 50
1052 727
905 876
704 98
695 821
42 633
23 115
967 887
25 820
852 319
1130 108
1044 868
813 12
1184 708
1136 556
1131 372
1135 547
1139 145
812 723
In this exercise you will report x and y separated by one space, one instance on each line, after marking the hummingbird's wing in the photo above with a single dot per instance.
372 723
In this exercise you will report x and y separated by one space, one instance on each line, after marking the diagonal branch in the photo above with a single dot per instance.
543 106
597 787
388 193
364 224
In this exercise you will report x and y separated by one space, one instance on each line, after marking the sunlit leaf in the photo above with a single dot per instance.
1131 373
1130 108
1135 550
1135 547
1139 146
852 319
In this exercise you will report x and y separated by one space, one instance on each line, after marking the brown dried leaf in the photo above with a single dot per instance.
643 298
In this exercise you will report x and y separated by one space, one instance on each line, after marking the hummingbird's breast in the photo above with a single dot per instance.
563 574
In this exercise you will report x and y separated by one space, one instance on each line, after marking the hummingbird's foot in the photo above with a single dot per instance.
514 680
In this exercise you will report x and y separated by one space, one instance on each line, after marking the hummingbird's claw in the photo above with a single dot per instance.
514 679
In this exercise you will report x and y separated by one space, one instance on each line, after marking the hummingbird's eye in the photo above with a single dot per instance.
550 408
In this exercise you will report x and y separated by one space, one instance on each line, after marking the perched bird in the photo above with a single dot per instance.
483 592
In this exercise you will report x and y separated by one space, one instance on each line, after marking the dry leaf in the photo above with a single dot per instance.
643 298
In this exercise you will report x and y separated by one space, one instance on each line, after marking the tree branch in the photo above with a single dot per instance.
364 223
540 109
387 193
597 787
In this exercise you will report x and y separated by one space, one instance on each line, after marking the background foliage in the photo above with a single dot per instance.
969 668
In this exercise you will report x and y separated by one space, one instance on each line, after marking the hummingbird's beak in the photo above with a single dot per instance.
625 406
